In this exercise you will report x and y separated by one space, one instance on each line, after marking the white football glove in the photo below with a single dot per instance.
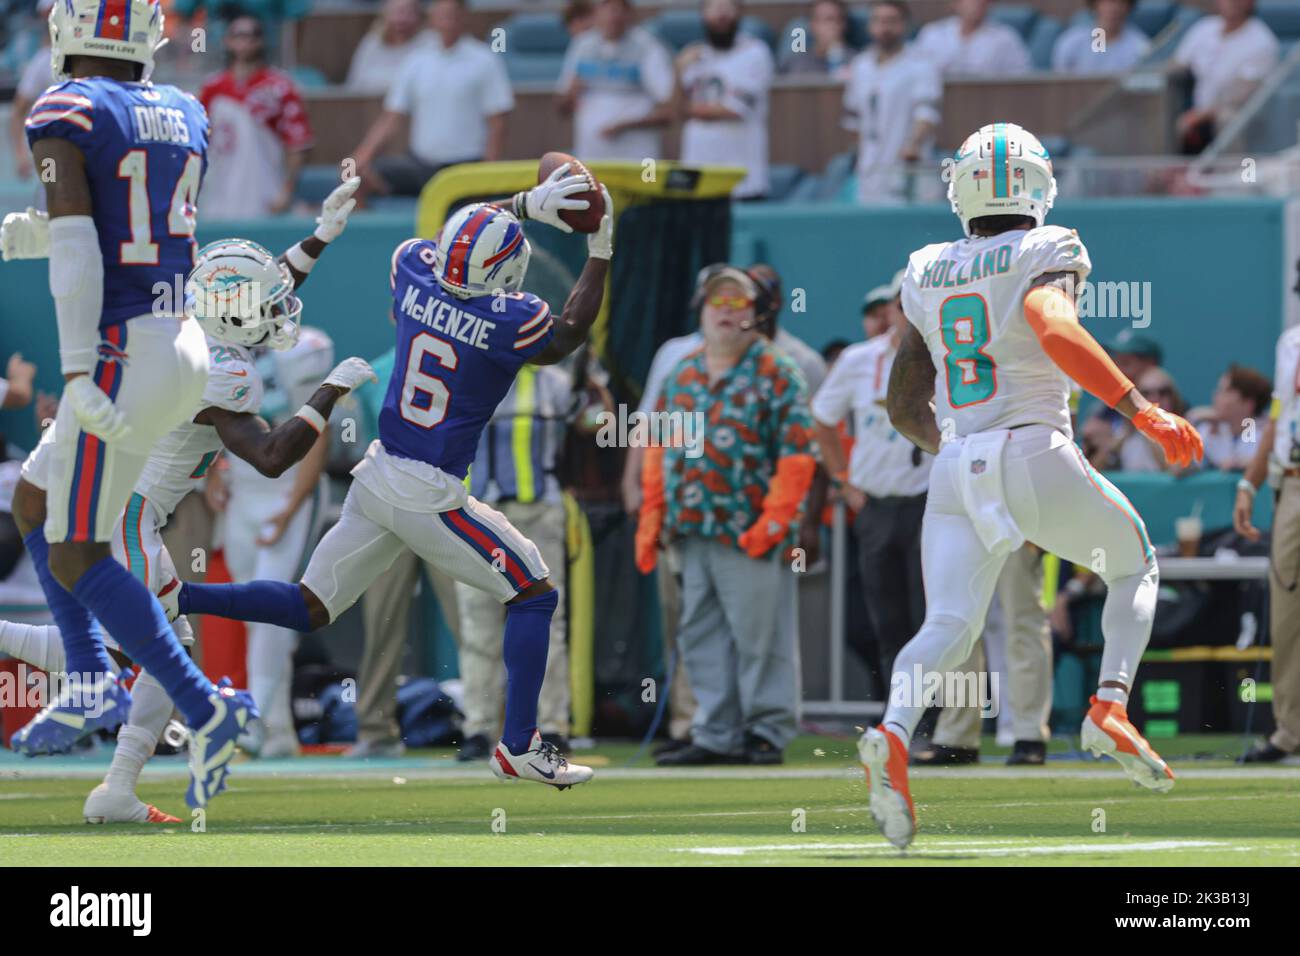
95 411
600 244
545 200
25 235
350 373
336 208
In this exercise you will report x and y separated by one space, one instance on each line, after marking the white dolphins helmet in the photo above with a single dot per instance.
482 249
117 29
240 294
1001 170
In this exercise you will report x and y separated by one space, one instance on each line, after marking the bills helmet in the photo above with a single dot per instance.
116 29
240 294
481 250
1001 170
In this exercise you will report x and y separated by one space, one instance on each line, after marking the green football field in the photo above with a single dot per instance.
425 809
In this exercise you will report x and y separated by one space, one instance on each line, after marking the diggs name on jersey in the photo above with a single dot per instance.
160 124
442 316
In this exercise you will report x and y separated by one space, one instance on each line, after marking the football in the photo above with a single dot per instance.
582 220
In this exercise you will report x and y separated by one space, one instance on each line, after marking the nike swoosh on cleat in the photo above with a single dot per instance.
548 776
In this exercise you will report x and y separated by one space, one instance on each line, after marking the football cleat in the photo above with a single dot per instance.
541 762
884 758
112 805
212 746
1107 732
80 709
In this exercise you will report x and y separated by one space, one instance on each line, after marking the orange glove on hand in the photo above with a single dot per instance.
1178 437
650 519
794 475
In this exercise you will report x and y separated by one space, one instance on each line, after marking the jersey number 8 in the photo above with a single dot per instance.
971 374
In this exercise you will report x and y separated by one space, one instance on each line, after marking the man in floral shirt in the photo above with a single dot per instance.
728 497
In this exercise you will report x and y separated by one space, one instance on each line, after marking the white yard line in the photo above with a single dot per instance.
974 848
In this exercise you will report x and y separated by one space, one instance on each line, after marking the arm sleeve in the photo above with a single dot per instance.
1051 314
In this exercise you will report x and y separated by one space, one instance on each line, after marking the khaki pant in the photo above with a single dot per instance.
681 702
482 625
386 611
1284 617
1029 659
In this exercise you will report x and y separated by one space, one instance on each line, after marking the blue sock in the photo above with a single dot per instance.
137 622
83 644
528 637
268 602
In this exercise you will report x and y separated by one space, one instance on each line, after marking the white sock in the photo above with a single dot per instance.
40 645
270 673
1126 625
150 710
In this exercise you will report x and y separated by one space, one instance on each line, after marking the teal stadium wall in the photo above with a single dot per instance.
1216 269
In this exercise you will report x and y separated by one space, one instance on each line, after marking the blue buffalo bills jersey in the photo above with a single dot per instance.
146 150
454 362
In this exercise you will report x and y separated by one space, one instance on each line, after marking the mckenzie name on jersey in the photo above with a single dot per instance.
145 150
454 362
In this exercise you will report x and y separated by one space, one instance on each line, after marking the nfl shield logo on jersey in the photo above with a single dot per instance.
977 466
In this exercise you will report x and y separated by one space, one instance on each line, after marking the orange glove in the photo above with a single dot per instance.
794 475
1179 438
650 519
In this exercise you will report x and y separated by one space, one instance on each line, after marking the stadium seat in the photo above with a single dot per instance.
830 184
1282 17
315 183
1151 16
783 178
534 67
679 28
309 78
1020 17
1042 38
535 33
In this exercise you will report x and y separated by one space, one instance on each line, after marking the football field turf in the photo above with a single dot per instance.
426 809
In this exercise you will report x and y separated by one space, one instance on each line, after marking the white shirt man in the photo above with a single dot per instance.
883 462
1080 52
1223 63
619 80
449 93
737 79
991 49
884 102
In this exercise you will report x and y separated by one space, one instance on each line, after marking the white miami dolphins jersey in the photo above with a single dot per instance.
967 299
288 379
183 456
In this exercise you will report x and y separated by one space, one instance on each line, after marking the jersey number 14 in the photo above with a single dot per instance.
971 375
141 250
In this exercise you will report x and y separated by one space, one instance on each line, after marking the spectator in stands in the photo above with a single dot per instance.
729 500
16 386
514 470
892 100
384 50
578 16
726 81
1230 424
885 481
875 311
1110 44
970 44
828 25
1278 451
260 133
457 94
617 81
386 612
1228 56
33 80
